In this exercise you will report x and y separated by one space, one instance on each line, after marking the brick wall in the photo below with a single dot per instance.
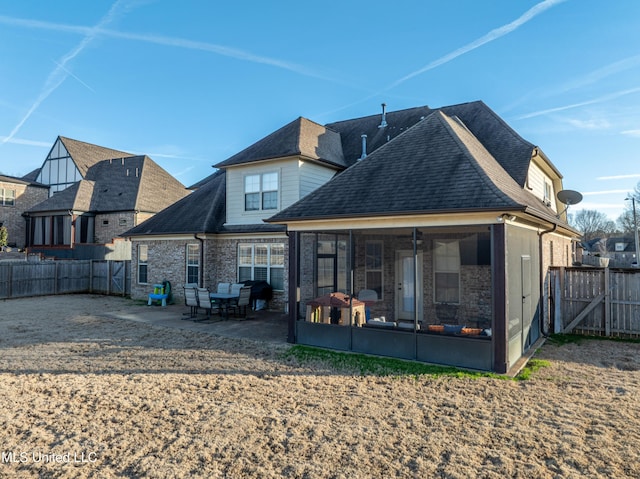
167 260
26 197
112 225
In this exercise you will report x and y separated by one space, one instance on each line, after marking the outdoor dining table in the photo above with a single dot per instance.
225 299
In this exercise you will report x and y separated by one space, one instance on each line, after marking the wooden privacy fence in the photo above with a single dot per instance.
20 279
595 301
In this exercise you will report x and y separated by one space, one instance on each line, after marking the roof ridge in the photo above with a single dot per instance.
450 125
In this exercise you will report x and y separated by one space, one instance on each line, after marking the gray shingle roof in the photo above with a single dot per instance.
435 166
351 131
22 181
86 155
203 211
300 137
128 184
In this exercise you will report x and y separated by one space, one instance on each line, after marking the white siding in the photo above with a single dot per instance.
287 183
297 178
312 176
536 180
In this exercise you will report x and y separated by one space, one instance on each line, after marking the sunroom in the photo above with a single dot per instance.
420 293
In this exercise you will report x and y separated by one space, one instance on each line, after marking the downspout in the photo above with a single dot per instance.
542 278
201 269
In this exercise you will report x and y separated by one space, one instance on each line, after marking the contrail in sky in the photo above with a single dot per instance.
60 72
166 41
489 37
610 96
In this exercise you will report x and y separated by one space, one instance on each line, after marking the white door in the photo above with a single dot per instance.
405 285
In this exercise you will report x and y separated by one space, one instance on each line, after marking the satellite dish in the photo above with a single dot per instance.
569 197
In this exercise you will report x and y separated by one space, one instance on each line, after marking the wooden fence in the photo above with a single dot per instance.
594 301
22 278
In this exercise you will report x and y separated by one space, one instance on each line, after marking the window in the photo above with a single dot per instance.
142 264
447 271
332 265
193 264
373 266
262 262
122 221
547 193
7 197
261 192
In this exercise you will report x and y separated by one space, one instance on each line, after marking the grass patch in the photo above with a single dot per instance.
378 366
562 339
531 367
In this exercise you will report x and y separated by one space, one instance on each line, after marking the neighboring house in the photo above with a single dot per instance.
96 194
452 225
356 205
16 196
620 252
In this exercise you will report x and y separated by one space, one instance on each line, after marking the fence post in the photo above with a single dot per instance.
90 276
10 286
109 273
55 278
558 286
607 303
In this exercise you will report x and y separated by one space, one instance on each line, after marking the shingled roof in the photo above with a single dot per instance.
436 166
135 183
203 211
300 137
86 155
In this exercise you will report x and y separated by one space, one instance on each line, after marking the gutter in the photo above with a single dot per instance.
201 269
541 265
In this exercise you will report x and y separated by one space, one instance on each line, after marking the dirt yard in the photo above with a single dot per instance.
83 395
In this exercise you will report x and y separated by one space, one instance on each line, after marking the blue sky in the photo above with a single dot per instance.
191 83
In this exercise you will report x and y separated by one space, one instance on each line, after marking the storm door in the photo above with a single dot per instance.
406 286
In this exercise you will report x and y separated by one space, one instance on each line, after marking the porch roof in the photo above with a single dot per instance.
436 166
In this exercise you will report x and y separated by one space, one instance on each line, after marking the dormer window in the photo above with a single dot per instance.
261 192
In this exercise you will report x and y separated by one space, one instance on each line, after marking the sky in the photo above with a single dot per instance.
191 83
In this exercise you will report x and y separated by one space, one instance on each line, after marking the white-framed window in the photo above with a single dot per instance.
143 251
7 197
193 264
446 281
547 192
262 262
261 192
373 266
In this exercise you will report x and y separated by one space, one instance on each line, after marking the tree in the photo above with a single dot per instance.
4 236
592 224
625 220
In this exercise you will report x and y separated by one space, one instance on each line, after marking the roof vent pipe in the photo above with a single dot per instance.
364 147
383 123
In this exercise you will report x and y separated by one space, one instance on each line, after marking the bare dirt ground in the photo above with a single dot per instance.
84 396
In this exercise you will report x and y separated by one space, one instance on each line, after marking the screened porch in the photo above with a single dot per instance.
413 293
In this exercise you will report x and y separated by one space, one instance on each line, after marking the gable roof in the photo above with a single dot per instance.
135 183
300 137
436 166
86 155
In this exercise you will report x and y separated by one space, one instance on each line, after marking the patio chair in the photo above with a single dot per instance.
204 302
235 288
244 298
224 288
191 300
